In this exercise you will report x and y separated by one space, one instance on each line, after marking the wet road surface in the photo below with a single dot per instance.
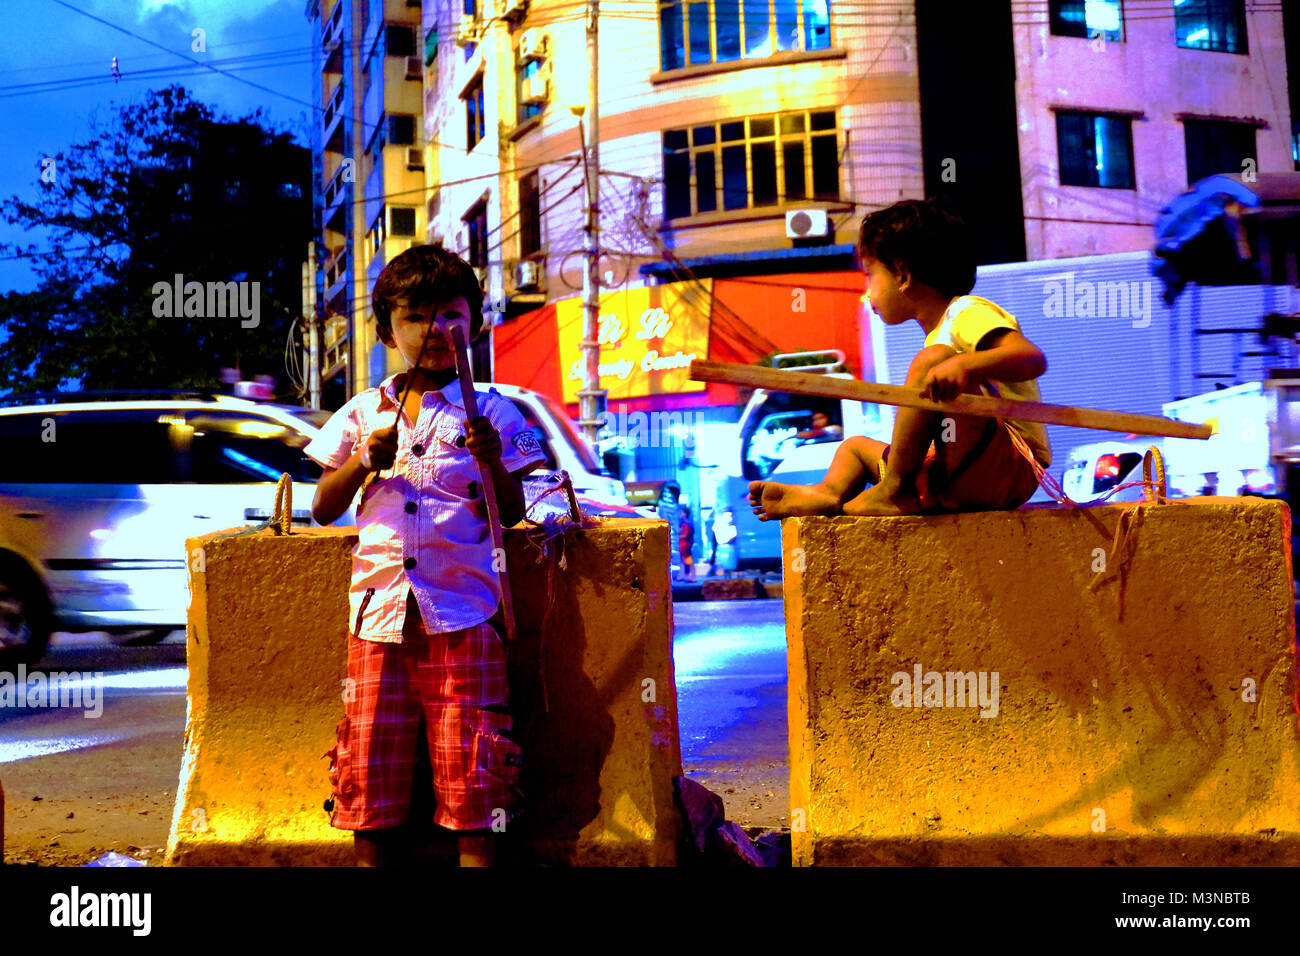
100 773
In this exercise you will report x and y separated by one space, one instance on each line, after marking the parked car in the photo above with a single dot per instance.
1093 470
98 497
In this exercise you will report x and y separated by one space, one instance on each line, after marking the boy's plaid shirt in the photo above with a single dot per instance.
423 523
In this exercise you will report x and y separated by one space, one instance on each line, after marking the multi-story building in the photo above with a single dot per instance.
370 192
740 142
1121 104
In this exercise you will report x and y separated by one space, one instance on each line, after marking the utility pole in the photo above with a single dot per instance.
591 397
313 326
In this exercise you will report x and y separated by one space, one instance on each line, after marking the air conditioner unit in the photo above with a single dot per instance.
414 159
532 45
807 224
465 30
528 276
535 89
414 68
513 8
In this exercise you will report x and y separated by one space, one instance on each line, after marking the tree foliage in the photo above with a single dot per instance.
161 188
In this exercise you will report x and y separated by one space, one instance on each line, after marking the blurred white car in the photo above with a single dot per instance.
98 497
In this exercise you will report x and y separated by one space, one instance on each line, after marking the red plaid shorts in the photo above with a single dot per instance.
456 681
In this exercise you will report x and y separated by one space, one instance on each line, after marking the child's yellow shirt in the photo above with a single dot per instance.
965 323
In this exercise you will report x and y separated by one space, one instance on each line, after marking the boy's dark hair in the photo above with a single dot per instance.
427 275
924 240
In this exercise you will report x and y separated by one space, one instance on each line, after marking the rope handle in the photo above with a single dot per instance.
282 518
1156 492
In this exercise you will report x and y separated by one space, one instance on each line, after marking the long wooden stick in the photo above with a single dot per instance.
470 399
807 383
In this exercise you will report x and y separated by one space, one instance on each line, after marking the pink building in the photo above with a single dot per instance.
1120 105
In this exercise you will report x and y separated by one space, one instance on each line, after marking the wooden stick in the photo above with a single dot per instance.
807 383
470 399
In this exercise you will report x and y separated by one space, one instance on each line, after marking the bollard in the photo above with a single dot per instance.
1025 688
267 656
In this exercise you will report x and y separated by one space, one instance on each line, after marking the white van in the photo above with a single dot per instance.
98 497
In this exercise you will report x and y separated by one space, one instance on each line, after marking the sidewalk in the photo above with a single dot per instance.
740 585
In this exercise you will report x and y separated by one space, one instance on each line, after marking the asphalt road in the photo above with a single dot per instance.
83 780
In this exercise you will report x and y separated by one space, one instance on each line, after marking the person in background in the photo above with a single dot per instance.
706 518
686 540
822 429
667 509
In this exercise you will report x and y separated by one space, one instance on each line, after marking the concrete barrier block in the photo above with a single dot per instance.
1149 719
267 650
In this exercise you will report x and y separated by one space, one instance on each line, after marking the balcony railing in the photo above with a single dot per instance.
334 200
332 40
336 269
330 121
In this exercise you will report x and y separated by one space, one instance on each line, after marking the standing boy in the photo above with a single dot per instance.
423 647
920 264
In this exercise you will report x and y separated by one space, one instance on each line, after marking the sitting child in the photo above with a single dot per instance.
920 264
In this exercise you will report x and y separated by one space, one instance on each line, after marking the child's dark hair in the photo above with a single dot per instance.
924 240
427 275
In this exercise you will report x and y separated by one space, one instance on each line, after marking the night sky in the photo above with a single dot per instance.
55 74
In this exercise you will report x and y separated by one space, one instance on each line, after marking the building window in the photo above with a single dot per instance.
470 8
1095 149
475 125
692 32
749 163
373 71
431 45
1217 147
401 221
1217 25
378 137
1087 18
377 233
399 40
530 215
524 74
476 225
401 129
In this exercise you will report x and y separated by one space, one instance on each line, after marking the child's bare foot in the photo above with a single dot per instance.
880 502
772 500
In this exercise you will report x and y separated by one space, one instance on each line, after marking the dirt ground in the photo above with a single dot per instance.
752 772
68 809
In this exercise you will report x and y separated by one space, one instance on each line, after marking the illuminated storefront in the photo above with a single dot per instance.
649 334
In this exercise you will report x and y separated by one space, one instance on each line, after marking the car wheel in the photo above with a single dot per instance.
24 621
141 637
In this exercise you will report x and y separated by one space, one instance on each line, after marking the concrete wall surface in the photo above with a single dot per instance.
267 650
1078 703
